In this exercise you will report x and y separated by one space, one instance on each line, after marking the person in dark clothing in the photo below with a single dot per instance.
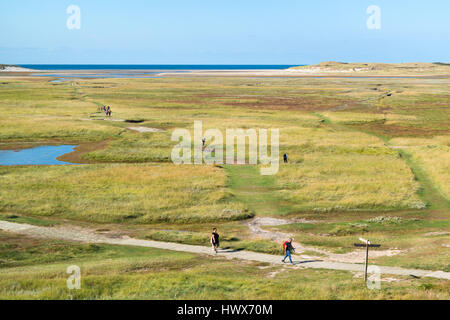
285 157
288 249
215 240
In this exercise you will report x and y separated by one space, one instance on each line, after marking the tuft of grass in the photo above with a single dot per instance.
349 229
29 220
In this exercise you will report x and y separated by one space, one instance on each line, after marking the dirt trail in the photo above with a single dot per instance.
255 225
85 235
255 228
145 129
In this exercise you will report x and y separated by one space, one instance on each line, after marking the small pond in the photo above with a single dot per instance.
42 155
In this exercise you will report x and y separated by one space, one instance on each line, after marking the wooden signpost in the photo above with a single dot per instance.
366 244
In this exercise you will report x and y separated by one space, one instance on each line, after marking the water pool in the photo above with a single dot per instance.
42 155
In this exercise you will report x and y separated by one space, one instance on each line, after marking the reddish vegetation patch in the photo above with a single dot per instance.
19 240
396 130
304 103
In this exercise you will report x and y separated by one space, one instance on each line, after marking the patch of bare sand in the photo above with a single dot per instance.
360 255
255 225
76 156
15 69
436 233
360 275
102 119
273 274
145 129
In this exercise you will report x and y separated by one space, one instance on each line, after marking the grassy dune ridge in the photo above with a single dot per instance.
386 69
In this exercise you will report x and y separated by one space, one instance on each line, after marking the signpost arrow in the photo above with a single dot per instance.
366 244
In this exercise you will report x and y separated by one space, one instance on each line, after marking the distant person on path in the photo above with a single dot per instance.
285 157
288 249
215 240
203 141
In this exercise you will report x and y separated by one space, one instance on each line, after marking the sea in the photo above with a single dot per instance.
156 66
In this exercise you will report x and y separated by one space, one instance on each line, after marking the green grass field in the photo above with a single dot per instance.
367 158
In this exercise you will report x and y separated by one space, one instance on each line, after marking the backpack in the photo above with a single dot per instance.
285 245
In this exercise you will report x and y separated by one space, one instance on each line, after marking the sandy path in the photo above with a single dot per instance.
84 235
255 225
145 129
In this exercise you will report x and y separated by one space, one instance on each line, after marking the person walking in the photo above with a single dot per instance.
285 157
288 249
215 240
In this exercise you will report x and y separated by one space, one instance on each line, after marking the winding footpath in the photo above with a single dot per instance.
84 235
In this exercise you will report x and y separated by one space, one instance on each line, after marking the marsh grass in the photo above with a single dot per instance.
348 182
433 155
136 148
342 171
121 193
28 220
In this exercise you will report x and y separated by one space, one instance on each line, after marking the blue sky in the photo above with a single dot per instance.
223 32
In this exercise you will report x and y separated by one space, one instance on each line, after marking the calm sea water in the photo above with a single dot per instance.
155 66
35 156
